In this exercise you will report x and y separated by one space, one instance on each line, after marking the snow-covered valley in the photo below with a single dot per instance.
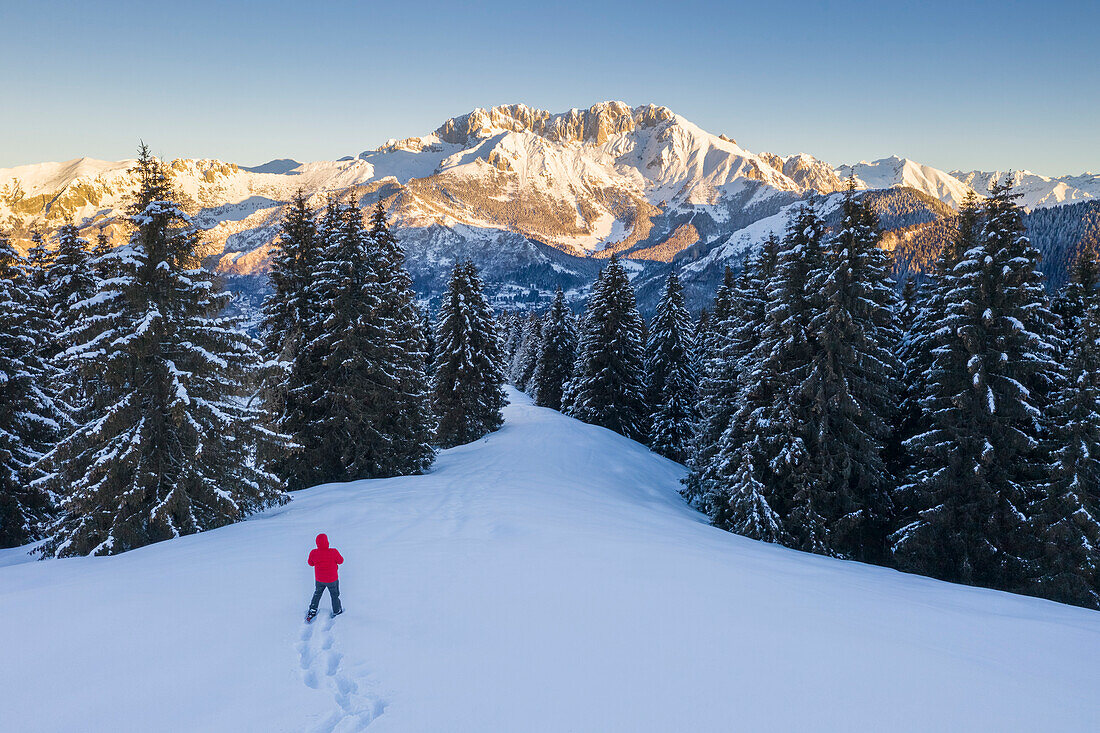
545 578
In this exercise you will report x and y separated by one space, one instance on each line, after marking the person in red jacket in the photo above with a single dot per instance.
325 560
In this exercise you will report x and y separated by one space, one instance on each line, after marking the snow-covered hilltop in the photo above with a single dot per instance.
535 198
545 578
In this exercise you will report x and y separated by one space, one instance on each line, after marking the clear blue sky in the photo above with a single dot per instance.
953 84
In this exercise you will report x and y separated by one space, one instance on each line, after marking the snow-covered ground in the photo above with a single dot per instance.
546 578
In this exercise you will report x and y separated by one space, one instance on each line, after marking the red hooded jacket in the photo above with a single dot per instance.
324 561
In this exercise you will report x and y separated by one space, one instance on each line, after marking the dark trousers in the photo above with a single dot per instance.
333 594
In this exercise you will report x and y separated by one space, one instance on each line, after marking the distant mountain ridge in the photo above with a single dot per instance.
1038 191
536 198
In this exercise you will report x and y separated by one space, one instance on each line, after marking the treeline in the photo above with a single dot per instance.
952 430
607 367
133 409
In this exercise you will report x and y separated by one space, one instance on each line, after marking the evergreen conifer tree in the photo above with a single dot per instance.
1066 515
38 260
428 329
725 474
557 353
467 384
40 317
672 376
909 305
527 353
704 324
512 323
725 302
70 283
924 333
608 387
409 418
101 263
171 445
981 457
287 325
27 417
775 411
853 386
719 351
371 416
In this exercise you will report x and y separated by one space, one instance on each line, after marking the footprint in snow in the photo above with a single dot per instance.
322 666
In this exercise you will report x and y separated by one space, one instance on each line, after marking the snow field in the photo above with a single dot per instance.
545 578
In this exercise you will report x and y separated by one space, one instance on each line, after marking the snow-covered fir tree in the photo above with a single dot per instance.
101 263
557 353
527 352
288 317
608 387
704 324
1064 517
293 261
909 304
371 413
467 383
672 376
70 278
70 283
853 386
411 424
428 329
512 323
710 340
41 317
28 419
758 480
171 443
723 479
38 260
981 457
717 378
773 411
919 339
788 352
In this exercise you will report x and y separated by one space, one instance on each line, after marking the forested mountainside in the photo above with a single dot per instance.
1057 232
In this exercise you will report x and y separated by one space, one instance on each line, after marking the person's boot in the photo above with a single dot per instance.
337 613
311 614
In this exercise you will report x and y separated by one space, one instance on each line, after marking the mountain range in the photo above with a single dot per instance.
536 199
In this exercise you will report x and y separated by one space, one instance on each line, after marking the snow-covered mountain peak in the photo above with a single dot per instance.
594 125
894 171
807 171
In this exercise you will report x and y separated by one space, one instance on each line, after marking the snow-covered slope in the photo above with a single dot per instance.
1038 191
546 578
894 172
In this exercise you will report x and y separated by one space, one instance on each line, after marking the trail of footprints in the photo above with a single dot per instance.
322 668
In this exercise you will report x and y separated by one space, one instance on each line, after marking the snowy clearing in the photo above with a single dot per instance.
545 578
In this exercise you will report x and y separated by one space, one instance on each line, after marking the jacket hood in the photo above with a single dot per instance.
322 541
